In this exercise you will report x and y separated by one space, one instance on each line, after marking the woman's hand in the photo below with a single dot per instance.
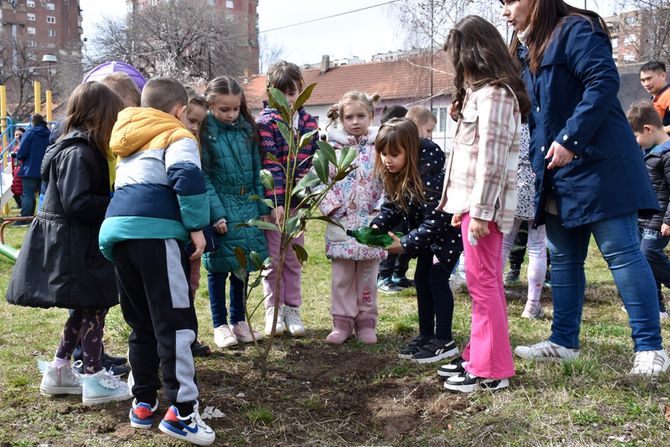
456 220
478 228
559 155
395 248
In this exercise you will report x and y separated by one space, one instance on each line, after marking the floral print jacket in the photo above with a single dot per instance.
355 200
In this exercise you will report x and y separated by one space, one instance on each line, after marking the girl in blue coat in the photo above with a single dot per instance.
591 177
231 161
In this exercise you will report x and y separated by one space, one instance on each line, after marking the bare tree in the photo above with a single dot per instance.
197 40
269 53
645 27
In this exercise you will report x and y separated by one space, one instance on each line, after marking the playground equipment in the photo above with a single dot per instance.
98 73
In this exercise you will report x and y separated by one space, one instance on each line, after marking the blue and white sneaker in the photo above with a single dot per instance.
187 428
142 414
103 387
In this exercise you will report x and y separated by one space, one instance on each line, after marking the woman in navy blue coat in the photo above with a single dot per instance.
591 177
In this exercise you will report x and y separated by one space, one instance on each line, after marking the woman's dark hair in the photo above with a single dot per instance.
477 51
544 16
225 85
93 108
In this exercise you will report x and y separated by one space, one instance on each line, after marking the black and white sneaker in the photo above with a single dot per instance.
414 346
467 383
436 350
453 368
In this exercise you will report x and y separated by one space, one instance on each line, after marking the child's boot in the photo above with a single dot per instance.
103 387
365 331
342 329
58 380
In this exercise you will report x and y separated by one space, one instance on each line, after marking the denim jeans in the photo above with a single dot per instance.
31 186
216 283
617 239
652 244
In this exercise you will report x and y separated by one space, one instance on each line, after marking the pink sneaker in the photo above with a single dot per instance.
242 332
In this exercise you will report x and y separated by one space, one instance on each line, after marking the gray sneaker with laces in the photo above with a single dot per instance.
546 351
650 363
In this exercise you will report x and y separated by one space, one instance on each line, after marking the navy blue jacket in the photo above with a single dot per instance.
429 229
574 102
31 152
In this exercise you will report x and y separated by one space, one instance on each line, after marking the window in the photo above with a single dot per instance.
31 43
51 19
30 17
615 43
630 40
230 4
442 120
30 3
30 30
631 20
52 33
51 6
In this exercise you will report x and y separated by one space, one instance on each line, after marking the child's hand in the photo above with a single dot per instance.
478 228
395 247
277 215
456 220
221 226
453 113
665 230
198 240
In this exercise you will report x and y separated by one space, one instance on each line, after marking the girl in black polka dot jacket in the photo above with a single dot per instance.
412 170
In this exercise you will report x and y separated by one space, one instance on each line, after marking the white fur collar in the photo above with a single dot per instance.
338 135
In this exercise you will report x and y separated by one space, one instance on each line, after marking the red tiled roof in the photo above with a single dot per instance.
400 79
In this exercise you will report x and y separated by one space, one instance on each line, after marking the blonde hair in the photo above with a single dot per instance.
125 87
336 110
420 115
406 186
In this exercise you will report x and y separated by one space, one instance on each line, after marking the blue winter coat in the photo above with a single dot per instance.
574 102
31 152
231 161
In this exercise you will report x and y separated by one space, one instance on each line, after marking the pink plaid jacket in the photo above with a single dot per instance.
481 176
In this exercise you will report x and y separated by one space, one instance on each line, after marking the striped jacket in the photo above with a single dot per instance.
481 176
160 190
274 143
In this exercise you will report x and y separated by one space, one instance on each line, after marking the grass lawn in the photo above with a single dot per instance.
320 395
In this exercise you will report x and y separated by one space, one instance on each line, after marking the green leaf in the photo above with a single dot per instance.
308 181
321 167
257 223
304 96
241 258
327 152
241 274
294 223
307 138
300 253
267 180
328 220
285 132
278 101
256 260
270 156
348 158
256 198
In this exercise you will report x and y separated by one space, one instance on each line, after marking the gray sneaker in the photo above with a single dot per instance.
546 351
650 363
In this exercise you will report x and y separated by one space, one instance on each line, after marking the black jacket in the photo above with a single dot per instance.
429 228
658 167
59 263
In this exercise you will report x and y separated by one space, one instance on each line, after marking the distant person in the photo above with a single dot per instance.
60 264
655 230
392 275
17 186
653 78
285 77
156 209
33 146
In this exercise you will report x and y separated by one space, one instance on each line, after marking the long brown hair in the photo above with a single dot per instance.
405 186
477 50
544 19
225 85
93 108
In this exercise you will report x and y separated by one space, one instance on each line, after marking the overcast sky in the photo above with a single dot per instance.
361 34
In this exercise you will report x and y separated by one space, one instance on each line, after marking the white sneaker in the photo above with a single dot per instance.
103 387
223 337
242 332
532 312
62 380
663 315
190 428
546 351
293 322
269 314
650 363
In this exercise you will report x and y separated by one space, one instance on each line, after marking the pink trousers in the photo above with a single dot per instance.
292 274
488 353
354 289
